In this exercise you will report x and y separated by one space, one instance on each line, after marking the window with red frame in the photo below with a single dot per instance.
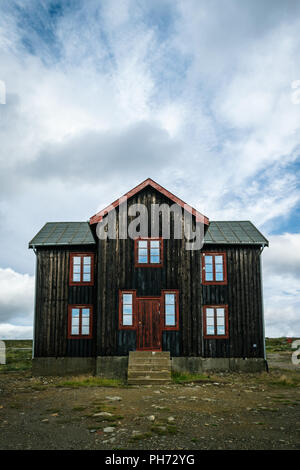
171 309
80 321
127 309
149 252
214 268
215 321
82 269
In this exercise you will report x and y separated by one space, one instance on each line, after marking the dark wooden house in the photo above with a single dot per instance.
99 298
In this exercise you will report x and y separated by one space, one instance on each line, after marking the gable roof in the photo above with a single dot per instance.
63 233
149 182
80 233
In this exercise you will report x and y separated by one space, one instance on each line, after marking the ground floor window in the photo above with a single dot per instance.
80 321
215 321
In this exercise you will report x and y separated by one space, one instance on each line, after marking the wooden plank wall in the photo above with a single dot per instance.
51 310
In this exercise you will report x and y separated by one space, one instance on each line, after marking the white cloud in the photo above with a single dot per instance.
10 331
16 296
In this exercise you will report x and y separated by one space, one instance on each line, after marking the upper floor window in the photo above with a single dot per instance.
215 321
148 252
214 268
171 309
80 321
82 269
127 309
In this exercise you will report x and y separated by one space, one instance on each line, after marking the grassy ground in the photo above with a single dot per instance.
215 411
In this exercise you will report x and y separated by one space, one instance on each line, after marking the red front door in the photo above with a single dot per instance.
149 330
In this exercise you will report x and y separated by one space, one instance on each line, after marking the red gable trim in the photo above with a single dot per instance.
149 182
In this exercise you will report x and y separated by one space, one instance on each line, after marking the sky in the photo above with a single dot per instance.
201 96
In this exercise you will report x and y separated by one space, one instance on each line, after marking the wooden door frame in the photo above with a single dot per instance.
148 298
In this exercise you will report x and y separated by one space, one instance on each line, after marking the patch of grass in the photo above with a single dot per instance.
278 344
90 381
163 429
180 378
18 357
291 380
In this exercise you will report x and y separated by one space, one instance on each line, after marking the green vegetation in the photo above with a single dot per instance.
278 344
91 381
17 357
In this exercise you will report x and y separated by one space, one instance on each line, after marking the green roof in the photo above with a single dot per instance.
80 233
239 233
63 233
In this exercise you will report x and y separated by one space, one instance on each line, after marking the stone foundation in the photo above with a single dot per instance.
199 365
116 367
61 366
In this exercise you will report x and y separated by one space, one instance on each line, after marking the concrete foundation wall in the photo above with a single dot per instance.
199 365
112 367
115 367
63 366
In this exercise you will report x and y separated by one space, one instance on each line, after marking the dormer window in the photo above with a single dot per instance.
81 269
149 252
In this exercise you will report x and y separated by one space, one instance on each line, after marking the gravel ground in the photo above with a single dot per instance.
228 411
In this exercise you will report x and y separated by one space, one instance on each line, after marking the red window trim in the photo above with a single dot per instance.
213 254
148 265
127 327
205 336
81 282
135 299
176 292
80 306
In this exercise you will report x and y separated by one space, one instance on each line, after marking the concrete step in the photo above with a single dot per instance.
149 354
145 381
149 359
162 374
146 366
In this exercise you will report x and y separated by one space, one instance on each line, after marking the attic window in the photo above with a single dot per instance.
214 268
215 321
81 269
148 252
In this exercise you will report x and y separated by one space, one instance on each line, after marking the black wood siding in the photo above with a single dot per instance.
53 295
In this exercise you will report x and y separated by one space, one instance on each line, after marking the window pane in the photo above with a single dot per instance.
76 268
76 277
127 320
87 268
170 309
220 312
209 268
85 312
208 276
210 330
143 259
221 330
85 321
127 298
127 309
75 330
75 321
86 277
142 244
85 330
210 321
76 260
219 268
208 260
219 276
209 312
87 260
154 243
170 298
154 259
154 251
219 260
75 312
170 320
220 321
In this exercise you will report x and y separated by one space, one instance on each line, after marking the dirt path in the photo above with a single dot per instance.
231 411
